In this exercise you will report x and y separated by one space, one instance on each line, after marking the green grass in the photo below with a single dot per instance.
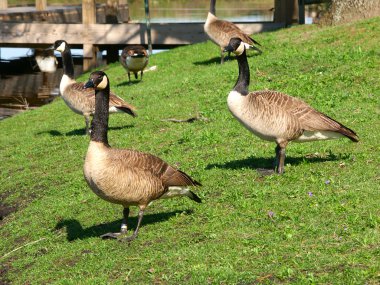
325 222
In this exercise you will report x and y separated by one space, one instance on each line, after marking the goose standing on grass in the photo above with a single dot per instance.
134 59
123 176
220 32
78 99
277 117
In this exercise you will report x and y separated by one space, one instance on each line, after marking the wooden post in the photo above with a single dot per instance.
88 17
123 12
3 4
41 5
301 12
148 30
286 11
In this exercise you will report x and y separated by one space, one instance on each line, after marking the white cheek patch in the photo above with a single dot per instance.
247 46
241 48
103 84
61 47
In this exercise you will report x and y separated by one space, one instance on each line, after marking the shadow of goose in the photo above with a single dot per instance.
76 231
267 163
80 132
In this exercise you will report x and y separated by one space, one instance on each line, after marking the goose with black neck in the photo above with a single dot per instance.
80 100
125 176
275 116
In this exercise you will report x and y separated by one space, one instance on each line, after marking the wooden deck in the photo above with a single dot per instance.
93 31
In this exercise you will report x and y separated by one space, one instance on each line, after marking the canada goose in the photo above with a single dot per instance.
220 32
134 59
278 117
46 60
124 176
78 99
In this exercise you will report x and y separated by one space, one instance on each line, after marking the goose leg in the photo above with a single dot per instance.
221 56
123 228
280 158
87 119
135 233
129 77
142 73
228 55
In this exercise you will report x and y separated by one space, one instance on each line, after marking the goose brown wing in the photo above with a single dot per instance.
116 101
308 118
86 97
313 120
232 31
155 165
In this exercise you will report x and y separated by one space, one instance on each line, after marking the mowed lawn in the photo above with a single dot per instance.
318 223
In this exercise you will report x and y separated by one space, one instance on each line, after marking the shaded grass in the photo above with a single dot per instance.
318 223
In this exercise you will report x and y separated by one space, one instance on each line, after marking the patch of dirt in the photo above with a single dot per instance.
4 268
6 209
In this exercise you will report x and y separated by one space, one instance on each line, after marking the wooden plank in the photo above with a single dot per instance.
26 34
41 5
3 4
88 12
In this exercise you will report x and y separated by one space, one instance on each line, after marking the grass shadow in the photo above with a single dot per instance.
127 83
208 61
80 132
76 231
268 163
226 59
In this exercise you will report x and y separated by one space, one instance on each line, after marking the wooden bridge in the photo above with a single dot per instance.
107 28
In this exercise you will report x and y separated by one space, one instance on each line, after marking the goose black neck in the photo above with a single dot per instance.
242 83
68 64
212 7
99 125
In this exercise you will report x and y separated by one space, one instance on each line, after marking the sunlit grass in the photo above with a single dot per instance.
318 223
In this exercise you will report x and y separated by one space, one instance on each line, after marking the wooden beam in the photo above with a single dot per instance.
114 34
286 11
3 4
88 12
88 18
41 5
301 12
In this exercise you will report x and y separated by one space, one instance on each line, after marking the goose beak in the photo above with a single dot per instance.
228 48
89 84
50 48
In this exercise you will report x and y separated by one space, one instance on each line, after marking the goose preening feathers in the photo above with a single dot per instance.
278 117
220 32
78 99
123 176
134 59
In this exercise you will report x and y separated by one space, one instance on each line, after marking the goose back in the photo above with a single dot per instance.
275 116
220 31
82 101
130 177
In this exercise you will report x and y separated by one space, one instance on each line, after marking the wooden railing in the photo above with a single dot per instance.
93 36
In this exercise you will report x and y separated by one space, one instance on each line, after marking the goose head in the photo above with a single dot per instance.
59 45
237 46
98 80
